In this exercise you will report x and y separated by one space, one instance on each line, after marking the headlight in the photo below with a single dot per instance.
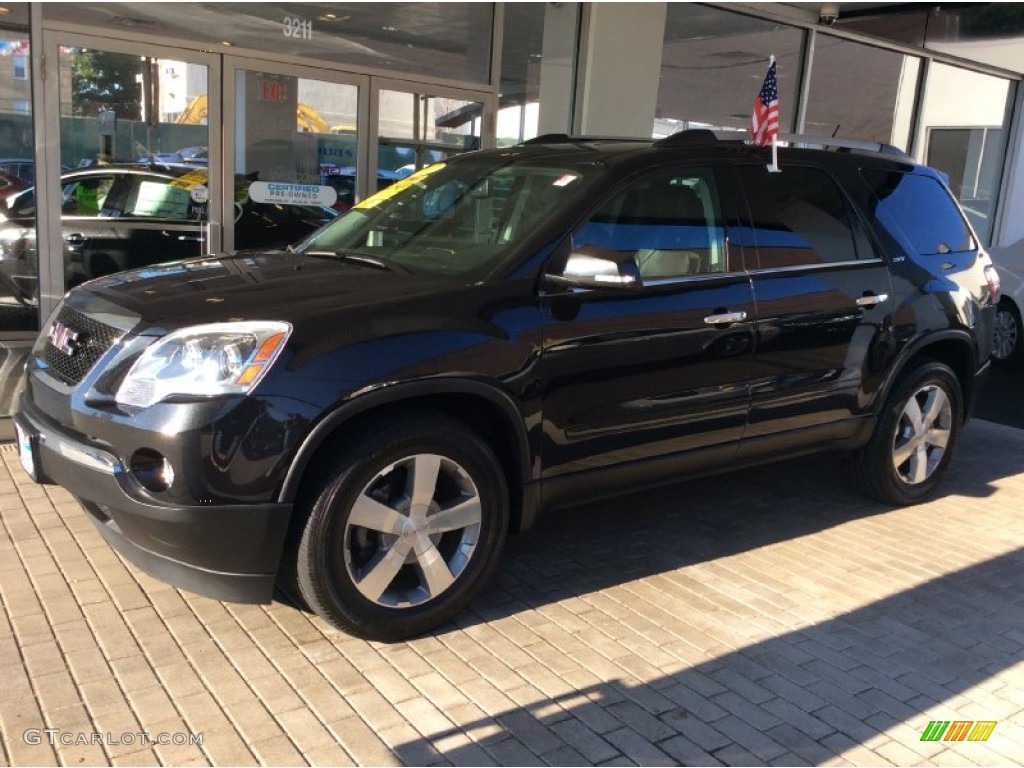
215 359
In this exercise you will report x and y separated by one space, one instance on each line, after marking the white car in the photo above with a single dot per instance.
1009 260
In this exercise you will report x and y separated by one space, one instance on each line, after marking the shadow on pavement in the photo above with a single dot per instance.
584 549
801 697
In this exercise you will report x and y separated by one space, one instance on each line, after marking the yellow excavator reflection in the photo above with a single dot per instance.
307 119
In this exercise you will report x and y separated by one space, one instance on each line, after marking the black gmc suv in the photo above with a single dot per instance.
364 418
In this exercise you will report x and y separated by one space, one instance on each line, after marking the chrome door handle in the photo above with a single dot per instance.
194 239
871 299
725 318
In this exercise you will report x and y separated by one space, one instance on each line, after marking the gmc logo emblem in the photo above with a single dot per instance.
63 338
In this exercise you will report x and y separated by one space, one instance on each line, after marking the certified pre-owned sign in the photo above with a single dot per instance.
287 193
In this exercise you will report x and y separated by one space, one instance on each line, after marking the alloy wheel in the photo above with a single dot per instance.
412 530
922 434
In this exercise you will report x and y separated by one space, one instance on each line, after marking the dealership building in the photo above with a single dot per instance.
354 96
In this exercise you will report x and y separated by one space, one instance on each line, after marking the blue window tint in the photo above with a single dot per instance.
922 210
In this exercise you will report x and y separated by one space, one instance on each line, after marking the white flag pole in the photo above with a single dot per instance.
774 167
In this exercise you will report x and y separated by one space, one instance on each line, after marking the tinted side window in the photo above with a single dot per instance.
670 221
922 210
799 216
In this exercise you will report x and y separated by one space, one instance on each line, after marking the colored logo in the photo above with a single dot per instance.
958 730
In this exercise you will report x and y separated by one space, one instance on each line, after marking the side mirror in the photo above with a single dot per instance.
590 272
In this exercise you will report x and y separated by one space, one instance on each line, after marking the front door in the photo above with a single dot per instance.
656 377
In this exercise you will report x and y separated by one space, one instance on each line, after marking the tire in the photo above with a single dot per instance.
914 439
383 554
1008 350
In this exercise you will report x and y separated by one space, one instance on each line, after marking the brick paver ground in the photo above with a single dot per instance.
770 617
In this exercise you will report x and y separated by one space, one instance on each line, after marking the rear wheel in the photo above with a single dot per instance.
913 443
1006 350
405 531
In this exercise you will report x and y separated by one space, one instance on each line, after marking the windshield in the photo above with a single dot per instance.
459 219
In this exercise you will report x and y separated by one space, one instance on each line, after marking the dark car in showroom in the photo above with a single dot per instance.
10 186
117 217
362 421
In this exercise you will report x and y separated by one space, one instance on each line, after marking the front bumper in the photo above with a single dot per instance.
224 551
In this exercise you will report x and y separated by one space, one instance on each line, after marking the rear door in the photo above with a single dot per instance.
653 378
824 298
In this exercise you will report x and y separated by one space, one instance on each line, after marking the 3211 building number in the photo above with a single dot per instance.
295 27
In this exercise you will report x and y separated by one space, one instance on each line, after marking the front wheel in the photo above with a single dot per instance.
405 531
914 439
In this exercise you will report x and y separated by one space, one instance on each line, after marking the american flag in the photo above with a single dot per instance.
764 122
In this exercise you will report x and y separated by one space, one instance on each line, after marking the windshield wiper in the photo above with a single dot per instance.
352 256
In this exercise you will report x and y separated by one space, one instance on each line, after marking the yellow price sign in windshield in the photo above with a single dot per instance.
191 179
399 186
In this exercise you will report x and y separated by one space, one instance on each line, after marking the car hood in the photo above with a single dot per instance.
247 286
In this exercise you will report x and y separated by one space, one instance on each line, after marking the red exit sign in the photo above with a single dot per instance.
273 91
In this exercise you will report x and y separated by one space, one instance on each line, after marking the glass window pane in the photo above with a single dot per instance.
876 105
538 54
458 219
296 130
291 131
799 217
965 138
449 40
18 260
417 130
670 221
713 64
920 209
990 33
902 24
122 108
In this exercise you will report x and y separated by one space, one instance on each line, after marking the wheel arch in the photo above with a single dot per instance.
482 407
953 347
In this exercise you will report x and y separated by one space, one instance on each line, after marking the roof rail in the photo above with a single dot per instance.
565 138
707 136
801 140
689 136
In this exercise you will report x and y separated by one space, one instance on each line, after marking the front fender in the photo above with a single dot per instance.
402 393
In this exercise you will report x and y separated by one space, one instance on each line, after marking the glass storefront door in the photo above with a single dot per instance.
19 304
135 157
292 126
418 125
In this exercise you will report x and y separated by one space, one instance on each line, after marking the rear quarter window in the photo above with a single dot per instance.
921 209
